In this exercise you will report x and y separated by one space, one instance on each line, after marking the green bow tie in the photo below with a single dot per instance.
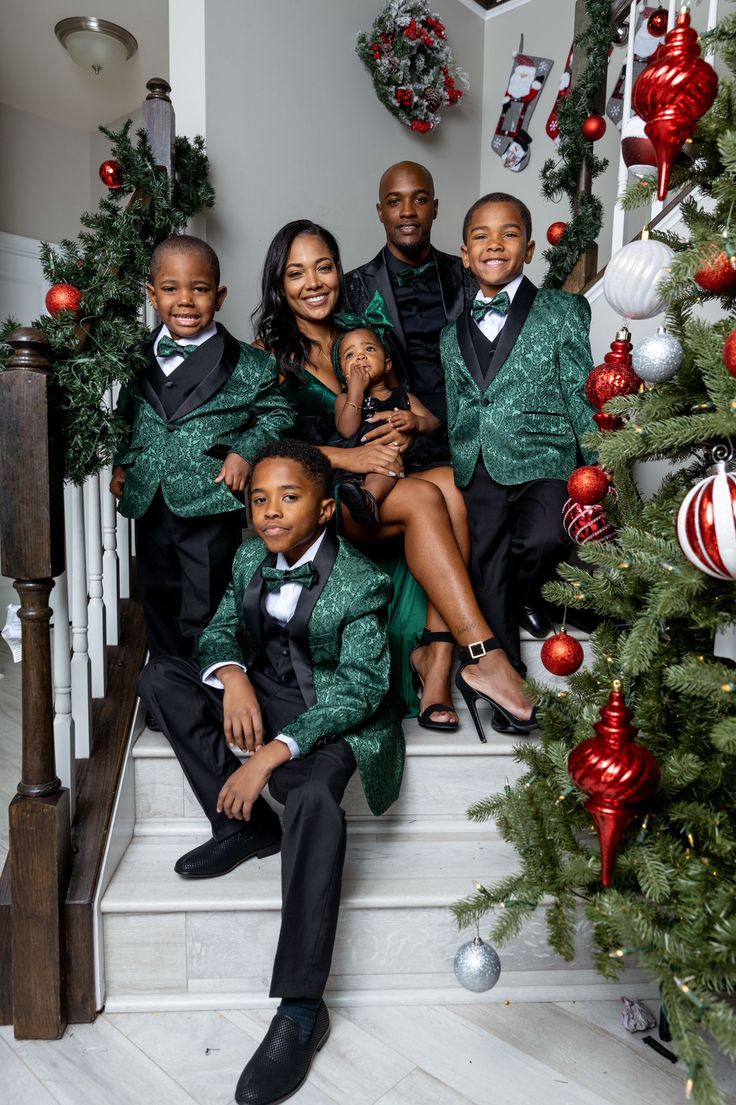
499 305
375 317
406 276
168 348
275 578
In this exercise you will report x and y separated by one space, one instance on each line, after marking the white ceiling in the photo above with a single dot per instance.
38 75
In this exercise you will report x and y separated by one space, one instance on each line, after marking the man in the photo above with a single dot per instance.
423 289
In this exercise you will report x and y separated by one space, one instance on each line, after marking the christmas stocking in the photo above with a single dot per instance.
645 43
553 125
511 141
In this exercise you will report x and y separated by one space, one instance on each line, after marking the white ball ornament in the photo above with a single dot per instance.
706 524
657 358
477 966
633 278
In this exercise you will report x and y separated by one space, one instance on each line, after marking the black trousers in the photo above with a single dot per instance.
184 566
310 789
516 541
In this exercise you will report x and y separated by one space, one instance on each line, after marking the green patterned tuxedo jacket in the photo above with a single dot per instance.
236 406
339 651
526 413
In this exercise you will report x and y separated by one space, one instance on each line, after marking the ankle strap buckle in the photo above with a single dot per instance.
476 650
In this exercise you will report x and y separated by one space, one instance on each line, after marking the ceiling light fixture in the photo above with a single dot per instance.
95 44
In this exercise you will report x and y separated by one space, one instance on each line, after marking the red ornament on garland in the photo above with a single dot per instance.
593 128
657 23
555 232
619 775
717 274
729 353
607 422
674 91
63 297
616 375
111 174
588 485
586 523
562 654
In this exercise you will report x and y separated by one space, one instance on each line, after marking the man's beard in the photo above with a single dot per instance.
413 249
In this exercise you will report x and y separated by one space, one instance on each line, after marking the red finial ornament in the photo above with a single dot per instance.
619 775
615 376
675 89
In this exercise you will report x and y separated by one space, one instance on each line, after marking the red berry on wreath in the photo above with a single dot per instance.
562 654
588 485
555 232
717 275
593 128
111 174
729 353
63 297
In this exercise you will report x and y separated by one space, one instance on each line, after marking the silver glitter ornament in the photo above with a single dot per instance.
477 966
657 358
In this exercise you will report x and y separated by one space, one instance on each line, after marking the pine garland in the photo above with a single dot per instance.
108 263
672 906
412 67
561 178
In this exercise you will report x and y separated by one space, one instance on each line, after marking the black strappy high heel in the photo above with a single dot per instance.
424 719
471 654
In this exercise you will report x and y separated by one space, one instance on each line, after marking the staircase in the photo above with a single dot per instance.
168 944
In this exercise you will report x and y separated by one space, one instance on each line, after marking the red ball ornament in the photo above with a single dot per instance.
615 376
586 523
619 775
657 23
63 297
672 93
706 524
555 232
588 485
593 128
562 654
111 174
607 422
729 353
717 274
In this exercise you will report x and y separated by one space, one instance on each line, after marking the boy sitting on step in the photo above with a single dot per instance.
293 669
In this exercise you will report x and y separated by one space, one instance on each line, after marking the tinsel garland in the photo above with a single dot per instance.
412 67
108 263
561 177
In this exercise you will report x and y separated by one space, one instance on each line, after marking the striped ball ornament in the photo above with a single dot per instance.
706 524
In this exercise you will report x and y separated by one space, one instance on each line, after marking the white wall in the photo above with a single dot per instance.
294 130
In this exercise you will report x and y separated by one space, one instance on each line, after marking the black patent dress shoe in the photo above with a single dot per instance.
217 857
280 1064
535 620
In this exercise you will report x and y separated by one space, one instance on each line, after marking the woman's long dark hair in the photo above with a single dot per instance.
273 320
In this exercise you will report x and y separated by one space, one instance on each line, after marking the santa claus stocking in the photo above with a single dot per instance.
645 43
511 141
553 123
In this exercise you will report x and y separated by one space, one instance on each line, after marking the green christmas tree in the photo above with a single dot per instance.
99 346
672 903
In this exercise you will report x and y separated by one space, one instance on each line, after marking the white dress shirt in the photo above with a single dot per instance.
280 605
170 364
492 324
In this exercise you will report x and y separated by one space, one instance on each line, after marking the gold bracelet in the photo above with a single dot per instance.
353 405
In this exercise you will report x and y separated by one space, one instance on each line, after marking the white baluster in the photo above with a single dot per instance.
672 14
62 677
619 215
712 20
80 666
123 541
110 590
96 620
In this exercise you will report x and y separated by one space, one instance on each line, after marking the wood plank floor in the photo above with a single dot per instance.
561 1054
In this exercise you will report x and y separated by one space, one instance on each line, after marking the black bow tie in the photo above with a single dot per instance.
275 578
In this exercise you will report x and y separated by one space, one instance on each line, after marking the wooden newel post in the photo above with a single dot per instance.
32 529
158 119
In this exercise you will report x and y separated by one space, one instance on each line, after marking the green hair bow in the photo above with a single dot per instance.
375 317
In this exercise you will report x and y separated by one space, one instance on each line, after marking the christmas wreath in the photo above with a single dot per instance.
413 72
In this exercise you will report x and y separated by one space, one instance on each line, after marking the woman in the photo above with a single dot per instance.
300 295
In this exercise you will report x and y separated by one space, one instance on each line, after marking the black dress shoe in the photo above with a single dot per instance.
217 857
280 1064
535 620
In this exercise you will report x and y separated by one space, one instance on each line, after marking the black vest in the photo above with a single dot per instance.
172 390
274 656
484 348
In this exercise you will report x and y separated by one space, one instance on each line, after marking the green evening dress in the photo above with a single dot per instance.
315 406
